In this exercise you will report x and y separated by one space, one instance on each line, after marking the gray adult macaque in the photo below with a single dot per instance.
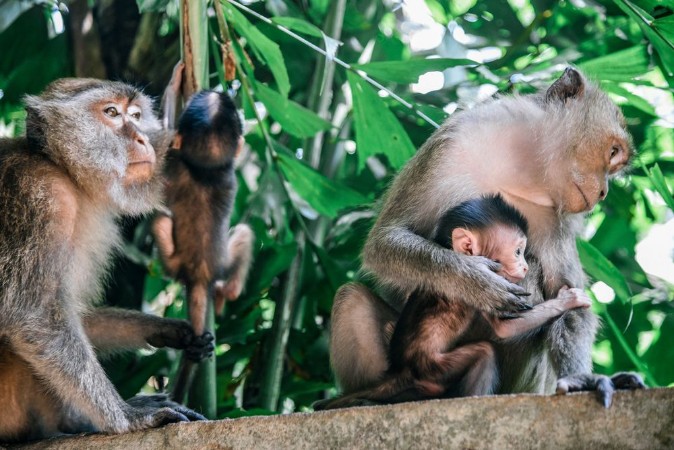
550 155
90 155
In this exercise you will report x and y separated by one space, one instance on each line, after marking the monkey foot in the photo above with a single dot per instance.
157 410
603 385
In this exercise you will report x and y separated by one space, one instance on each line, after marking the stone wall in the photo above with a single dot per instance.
637 420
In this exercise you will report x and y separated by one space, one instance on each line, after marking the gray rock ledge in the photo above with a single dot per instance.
637 420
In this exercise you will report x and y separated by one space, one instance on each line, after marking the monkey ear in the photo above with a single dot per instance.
177 141
464 241
569 85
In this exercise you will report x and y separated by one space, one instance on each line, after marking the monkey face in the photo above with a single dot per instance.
507 246
97 132
123 117
597 159
597 152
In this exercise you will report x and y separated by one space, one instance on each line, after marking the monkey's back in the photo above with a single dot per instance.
200 201
432 324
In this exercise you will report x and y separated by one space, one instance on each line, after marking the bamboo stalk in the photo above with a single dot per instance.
194 47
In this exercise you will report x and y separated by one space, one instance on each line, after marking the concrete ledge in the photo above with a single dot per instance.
637 420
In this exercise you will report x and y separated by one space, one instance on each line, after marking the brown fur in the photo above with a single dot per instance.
194 241
86 160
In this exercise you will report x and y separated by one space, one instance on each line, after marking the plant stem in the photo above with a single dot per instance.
194 45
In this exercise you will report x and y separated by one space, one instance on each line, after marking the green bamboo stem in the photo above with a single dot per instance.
194 50
323 78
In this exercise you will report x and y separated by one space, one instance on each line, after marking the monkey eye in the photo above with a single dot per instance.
614 151
518 252
111 111
136 115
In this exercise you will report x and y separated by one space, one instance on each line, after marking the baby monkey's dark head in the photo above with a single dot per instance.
209 131
489 227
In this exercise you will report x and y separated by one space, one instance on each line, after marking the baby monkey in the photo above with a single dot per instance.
193 237
443 347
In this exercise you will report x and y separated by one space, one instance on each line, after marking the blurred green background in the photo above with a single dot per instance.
323 143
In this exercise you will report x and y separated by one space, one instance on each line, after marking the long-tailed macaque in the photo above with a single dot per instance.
443 347
200 189
551 156
90 155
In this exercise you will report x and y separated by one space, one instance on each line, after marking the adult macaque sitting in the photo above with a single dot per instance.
551 156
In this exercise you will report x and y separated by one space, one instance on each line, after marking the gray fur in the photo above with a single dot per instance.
531 149
61 189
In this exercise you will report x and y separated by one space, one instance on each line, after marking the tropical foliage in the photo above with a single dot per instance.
337 96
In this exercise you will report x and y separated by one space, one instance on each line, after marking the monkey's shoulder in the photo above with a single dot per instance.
35 192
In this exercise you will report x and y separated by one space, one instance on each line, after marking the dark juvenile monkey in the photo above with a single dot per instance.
194 240
444 346
549 154
87 159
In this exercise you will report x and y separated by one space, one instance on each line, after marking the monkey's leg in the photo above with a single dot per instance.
198 298
28 411
358 341
111 329
162 229
481 377
571 339
239 251
62 358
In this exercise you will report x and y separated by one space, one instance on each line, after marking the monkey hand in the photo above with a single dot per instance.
603 385
572 298
491 292
179 334
151 411
201 347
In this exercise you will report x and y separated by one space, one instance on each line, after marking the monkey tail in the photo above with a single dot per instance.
183 380
198 302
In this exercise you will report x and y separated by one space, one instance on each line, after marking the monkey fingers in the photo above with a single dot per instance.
201 347
628 380
161 402
493 293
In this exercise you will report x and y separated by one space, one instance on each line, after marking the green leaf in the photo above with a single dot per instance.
409 71
660 185
377 129
326 196
293 117
600 268
658 32
145 6
633 99
620 66
266 49
299 25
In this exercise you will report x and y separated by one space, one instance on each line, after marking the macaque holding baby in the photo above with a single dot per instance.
443 347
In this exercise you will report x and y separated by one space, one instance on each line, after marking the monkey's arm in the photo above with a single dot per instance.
406 260
540 314
112 329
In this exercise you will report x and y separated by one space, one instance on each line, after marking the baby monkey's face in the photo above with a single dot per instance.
502 243
506 246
